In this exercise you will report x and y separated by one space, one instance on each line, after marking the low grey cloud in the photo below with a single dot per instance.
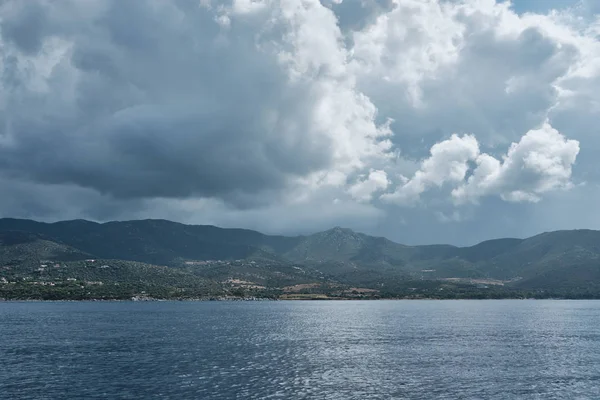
141 107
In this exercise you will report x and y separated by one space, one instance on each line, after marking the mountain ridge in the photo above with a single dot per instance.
338 255
335 228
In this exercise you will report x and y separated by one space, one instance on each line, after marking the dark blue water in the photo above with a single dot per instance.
301 350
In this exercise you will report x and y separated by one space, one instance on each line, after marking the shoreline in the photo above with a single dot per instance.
275 300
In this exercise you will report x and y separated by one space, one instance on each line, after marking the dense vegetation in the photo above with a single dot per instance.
162 259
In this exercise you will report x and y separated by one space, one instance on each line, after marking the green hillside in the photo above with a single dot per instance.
212 260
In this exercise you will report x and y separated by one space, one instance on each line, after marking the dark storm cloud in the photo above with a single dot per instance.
354 15
148 103
154 151
25 26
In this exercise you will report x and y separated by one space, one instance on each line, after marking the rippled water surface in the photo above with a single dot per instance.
301 350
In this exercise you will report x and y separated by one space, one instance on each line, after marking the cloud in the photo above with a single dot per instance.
452 217
437 68
363 189
238 110
175 103
448 163
540 162
23 26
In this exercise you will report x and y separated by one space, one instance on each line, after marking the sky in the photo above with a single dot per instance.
425 121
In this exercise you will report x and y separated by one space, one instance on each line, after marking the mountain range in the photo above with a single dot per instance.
336 260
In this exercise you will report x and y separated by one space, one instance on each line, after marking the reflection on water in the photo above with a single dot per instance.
296 350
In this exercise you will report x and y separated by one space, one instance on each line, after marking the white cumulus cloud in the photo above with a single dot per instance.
364 189
540 162
448 163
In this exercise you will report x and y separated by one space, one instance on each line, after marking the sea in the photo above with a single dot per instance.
414 349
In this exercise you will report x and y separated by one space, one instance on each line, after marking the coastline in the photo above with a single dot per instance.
193 300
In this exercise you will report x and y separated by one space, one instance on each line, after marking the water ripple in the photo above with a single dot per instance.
301 350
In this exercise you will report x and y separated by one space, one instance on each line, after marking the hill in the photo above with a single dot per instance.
557 263
23 247
155 241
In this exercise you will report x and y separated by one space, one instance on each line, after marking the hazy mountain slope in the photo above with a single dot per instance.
488 249
156 241
339 244
550 250
574 278
335 244
20 247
